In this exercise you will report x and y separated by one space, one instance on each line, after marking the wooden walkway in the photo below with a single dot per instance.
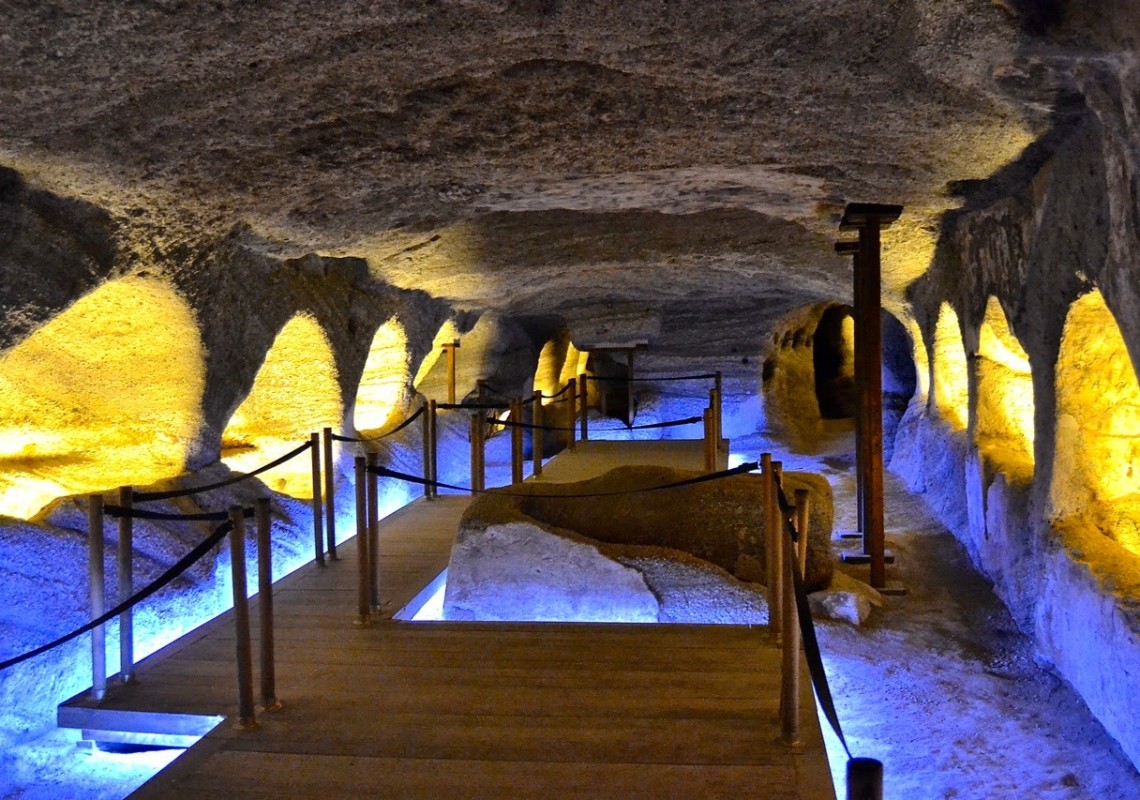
472 710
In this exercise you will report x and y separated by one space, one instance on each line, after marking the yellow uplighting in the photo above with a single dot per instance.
382 395
1004 427
1098 424
574 365
108 393
447 333
295 393
548 372
951 390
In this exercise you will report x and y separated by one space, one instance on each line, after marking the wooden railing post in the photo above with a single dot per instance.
583 388
434 449
330 494
718 409
778 550
360 474
318 510
710 447
477 472
450 349
803 518
373 484
97 577
536 433
426 450
790 634
126 551
572 413
516 442
269 699
771 534
246 719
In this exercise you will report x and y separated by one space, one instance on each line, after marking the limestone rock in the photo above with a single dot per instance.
845 599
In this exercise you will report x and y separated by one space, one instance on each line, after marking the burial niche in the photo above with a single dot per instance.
950 388
383 391
1097 454
295 393
833 360
108 393
1003 430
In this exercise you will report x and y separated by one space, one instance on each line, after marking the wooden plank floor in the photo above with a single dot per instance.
474 710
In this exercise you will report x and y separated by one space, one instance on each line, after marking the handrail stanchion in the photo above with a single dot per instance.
536 433
269 699
771 532
330 495
426 457
373 483
450 348
778 550
97 589
516 443
790 635
433 412
359 472
583 388
126 551
318 511
572 412
803 517
246 719
477 470
709 432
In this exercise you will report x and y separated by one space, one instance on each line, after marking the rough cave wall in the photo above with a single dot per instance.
1062 222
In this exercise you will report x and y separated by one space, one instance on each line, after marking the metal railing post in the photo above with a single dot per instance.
536 434
97 590
126 551
330 494
360 474
269 699
373 533
246 719
318 511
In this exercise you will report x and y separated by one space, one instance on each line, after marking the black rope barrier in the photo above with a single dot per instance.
506 423
704 377
337 437
158 583
142 513
476 406
807 630
495 391
670 424
384 472
557 394
145 496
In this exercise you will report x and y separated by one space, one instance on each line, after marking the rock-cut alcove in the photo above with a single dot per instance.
1098 425
950 384
107 393
294 394
1003 427
383 390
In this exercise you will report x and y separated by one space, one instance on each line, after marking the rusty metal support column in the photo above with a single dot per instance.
360 473
246 719
330 494
536 434
97 576
269 699
868 220
318 509
126 550
584 390
572 413
373 484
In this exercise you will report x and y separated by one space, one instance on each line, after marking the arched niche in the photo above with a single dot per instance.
951 386
833 359
295 393
108 393
383 390
558 362
1097 453
447 333
1003 430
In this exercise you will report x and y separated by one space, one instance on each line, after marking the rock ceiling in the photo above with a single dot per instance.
538 156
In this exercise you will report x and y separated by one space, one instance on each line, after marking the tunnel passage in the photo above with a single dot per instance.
294 394
1097 454
613 397
108 393
833 359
